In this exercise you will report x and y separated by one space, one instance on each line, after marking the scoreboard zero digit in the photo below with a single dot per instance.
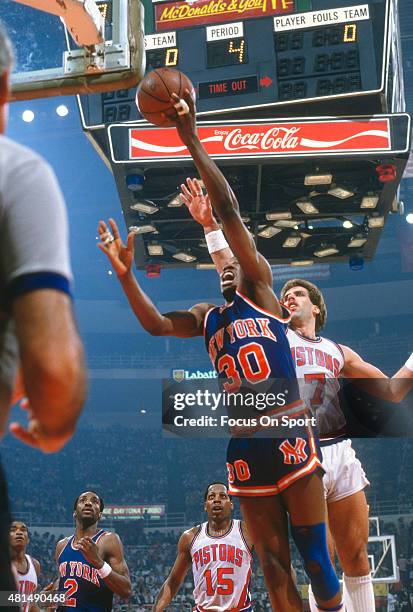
245 55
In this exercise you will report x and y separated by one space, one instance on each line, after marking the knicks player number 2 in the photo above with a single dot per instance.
72 587
253 364
225 586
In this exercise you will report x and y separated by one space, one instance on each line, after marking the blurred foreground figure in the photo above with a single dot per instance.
36 319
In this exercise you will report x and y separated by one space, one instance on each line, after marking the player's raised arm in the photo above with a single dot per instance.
112 568
374 381
178 572
200 209
254 266
182 324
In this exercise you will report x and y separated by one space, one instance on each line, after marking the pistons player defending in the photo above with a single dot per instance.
91 564
25 568
246 338
219 552
320 361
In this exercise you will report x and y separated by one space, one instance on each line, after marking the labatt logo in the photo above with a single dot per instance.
274 138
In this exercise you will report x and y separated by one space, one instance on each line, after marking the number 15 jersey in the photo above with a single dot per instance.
221 566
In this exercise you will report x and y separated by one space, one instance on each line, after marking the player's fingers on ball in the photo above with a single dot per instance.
175 98
189 98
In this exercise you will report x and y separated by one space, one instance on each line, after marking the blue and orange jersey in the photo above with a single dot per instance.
79 579
248 345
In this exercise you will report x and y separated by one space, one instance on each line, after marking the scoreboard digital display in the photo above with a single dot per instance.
277 52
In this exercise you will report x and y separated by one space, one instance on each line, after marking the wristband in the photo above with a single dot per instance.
104 570
216 241
409 363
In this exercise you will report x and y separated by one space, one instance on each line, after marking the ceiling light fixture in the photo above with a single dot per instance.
326 250
142 229
376 222
369 201
340 192
147 207
308 208
155 249
318 179
175 202
291 242
357 241
275 216
185 257
302 262
268 231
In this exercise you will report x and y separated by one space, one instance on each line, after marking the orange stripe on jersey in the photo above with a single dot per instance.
287 481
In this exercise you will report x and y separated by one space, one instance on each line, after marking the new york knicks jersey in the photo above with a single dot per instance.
221 566
318 364
80 581
247 344
27 582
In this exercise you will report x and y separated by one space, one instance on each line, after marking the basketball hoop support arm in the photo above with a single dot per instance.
82 18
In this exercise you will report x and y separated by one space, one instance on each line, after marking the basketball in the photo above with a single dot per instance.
154 94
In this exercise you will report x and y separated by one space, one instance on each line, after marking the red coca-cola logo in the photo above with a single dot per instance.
275 138
269 139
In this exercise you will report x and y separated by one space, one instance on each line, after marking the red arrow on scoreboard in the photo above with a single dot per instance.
265 81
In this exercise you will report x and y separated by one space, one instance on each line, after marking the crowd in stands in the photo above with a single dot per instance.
146 468
150 555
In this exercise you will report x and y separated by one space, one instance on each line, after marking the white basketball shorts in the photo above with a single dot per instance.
344 473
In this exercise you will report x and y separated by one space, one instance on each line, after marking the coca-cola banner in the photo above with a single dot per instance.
174 15
265 139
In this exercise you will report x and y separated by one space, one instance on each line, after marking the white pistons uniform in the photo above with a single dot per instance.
318 364
26 583
221 566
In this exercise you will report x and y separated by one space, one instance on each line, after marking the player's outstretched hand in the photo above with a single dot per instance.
119 254
183 115
90 551
36 435
197 203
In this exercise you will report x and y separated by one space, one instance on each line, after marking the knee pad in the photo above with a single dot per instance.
311 541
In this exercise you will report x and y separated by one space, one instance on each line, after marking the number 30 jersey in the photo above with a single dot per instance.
221 566
248 345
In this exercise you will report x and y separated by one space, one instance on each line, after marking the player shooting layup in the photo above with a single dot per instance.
269 475
321 361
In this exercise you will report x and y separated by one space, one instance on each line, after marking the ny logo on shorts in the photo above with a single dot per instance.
294 453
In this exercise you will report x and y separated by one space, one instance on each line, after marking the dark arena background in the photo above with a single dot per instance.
352 236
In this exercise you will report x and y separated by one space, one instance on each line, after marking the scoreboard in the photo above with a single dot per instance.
243 55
